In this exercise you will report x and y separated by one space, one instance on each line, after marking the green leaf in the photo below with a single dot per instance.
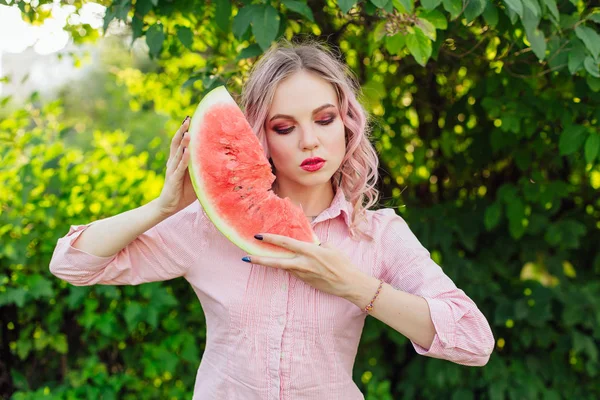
346 5
590 38
430 4
474 9
142 7
380 3
530 20
13 295
585 344
594 17
389 6
301 8
379 32
591 66
592 146
533 6
137 26
436 18
59 343
394 44
576 56
185 36
551 4
515 211
242 20
404 6
493 213
133 313
512 16
251 51
593 83
39 286
155 38
490 14
427 28
516 6
222 14
23 348
265 24
453 7
109 15
419 46
571 139
538 43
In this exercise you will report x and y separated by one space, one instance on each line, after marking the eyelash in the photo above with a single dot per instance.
288 130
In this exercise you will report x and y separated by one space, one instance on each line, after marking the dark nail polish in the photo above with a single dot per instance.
259 237
246 259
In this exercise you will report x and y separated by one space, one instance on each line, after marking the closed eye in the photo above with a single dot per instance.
325 122
291 128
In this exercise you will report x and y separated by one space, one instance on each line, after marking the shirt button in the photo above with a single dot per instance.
281 357
280 319
284 287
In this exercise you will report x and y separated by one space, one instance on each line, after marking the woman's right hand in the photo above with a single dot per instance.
177 192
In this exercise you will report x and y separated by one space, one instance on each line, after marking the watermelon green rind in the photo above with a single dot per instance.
220 95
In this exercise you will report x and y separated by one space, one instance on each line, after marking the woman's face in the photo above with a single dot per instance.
303 122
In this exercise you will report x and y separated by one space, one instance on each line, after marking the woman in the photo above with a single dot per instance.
289 328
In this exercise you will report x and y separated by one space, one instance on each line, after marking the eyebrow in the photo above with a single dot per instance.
316 110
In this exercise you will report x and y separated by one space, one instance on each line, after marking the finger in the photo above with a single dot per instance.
174 161
297 246
178 136
281 263
183 163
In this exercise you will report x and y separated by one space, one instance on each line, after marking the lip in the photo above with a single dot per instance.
312 160
313 167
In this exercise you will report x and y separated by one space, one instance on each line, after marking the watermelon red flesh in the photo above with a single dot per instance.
232 179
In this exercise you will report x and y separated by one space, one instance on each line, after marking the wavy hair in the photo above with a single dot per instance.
357 175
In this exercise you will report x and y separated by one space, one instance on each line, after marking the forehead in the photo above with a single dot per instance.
301 93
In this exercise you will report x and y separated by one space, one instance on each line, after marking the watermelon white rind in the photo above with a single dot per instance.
244 145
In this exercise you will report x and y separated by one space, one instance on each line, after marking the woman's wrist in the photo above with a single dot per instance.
362 290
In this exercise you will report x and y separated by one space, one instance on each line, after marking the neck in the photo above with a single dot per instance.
312 200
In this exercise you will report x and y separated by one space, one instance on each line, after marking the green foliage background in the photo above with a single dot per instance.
485 116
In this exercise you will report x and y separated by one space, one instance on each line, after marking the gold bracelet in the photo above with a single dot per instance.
369 306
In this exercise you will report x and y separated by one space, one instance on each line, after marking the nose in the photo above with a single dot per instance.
308 139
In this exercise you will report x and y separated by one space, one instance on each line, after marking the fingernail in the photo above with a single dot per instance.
259 237
185 119
246 259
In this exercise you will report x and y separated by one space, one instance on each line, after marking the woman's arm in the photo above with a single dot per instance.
141 245
420 301
106 237
405 312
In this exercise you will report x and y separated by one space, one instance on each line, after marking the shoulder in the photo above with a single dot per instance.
190 219
391 231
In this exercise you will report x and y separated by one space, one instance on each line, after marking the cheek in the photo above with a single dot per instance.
340 135
278 149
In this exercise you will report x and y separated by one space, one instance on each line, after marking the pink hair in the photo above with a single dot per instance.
358 171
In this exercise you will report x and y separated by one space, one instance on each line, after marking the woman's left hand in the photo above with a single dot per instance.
323 267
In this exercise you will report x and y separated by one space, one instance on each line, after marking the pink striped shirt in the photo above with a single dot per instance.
270 335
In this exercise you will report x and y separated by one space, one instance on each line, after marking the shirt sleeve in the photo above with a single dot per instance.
463 334
161 253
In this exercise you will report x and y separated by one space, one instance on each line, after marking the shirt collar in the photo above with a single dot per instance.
339 205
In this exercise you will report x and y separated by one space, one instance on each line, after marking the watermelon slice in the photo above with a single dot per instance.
232 179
